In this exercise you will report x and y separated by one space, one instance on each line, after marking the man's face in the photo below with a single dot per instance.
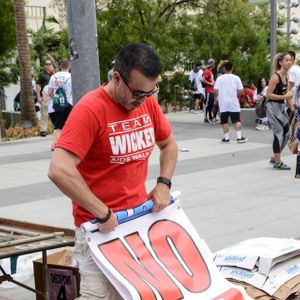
133 91
48 66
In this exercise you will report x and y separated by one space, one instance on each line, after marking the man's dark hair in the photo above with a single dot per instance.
292 54
198 63
140 57
228 66
64 64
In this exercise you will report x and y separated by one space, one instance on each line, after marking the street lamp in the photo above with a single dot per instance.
290 4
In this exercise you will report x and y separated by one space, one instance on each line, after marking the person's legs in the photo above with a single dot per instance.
236 120
44 118
225 126
210 105
93 283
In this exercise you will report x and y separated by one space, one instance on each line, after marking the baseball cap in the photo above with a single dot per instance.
210 62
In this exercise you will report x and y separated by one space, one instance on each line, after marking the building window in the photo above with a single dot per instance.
36 12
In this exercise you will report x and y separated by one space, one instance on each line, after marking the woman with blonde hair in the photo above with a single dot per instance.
277 94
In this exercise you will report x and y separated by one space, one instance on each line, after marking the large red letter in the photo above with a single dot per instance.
143 272
177 251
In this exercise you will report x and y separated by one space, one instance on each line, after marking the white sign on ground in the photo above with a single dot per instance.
159 256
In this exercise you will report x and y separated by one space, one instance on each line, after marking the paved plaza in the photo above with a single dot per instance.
229 191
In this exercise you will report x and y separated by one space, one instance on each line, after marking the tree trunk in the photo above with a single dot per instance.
2 128
28 115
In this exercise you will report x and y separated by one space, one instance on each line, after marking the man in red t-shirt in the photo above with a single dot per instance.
101 158
208 81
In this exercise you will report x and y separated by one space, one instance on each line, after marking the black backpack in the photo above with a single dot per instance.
60 101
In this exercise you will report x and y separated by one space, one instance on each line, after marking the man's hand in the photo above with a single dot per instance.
109 225
160 196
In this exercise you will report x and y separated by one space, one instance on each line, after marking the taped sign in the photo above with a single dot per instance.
62 284
159 259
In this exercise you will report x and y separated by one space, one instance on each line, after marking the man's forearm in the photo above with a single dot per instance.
71 183
168 158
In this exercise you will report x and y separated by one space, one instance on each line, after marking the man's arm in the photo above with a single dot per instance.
63 172
51 92
168 158
38 92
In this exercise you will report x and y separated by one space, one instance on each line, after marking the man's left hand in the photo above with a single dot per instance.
160 196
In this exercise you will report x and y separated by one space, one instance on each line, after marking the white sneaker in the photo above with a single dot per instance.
266 127
259 127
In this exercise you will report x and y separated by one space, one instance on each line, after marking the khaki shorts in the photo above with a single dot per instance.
93 283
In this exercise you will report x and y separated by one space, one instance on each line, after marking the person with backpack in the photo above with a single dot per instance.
60 91
196 86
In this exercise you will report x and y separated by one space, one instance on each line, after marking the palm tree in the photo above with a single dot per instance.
28 115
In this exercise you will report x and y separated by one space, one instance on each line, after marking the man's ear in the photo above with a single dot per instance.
116 76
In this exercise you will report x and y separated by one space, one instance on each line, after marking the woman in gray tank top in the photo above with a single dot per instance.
277 95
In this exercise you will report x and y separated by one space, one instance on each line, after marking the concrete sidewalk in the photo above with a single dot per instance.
230 192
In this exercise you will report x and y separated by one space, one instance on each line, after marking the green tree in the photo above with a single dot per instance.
8 68
183 31
159 23
47 42
28 114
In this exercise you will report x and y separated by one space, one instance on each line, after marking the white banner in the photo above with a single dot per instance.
159 256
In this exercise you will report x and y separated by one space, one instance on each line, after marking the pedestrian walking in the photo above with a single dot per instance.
227 88
195 79
101 158
111 71
277 94
42 81
208 81
60 91
259 96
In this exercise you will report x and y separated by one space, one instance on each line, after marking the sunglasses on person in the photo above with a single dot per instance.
138 94
48 64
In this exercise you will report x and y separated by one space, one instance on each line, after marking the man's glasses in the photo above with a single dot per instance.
138 94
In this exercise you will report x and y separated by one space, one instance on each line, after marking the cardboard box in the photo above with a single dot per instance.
282 281
62 275
263 253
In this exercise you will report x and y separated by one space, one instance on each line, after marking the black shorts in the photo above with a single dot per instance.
234 117
198 96
59 118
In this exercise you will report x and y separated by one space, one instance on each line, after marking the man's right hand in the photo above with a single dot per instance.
109 225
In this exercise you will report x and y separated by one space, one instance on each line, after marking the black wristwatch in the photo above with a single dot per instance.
165 181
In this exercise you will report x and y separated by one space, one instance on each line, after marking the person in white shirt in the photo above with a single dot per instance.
199 94
227 87
260 95
294 75
61 111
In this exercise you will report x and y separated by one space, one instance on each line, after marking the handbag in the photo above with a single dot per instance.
261 108
293 141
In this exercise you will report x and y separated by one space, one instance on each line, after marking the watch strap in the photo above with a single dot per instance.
165 181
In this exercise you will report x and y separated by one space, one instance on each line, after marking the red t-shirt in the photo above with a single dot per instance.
114 146
208 76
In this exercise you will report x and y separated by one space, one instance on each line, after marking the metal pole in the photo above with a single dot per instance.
273 32
85 68
288 15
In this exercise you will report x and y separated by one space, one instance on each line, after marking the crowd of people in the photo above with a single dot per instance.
52 93
227 95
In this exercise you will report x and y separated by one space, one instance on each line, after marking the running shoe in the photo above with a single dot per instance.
225 141
281 166
242 140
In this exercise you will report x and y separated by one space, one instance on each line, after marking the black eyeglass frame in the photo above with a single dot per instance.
138 94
